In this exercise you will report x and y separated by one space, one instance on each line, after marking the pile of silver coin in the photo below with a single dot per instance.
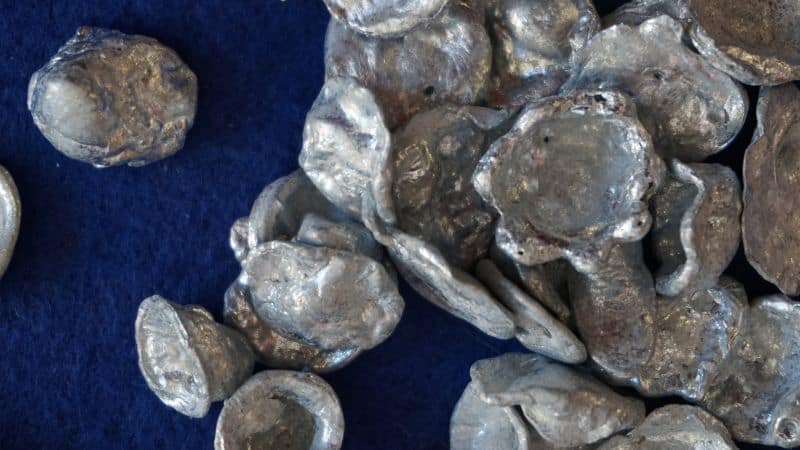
513 161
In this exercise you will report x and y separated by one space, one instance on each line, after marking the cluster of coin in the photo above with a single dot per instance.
510 159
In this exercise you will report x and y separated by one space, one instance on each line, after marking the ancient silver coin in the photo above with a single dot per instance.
388 18
108 98
534 46
675 427
696 226
556 159
690 109
344 138
281 409
770 222
10 216
187 359
756 393
448 61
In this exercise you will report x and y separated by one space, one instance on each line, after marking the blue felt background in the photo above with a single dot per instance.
96 242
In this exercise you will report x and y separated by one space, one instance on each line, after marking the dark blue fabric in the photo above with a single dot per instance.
94 243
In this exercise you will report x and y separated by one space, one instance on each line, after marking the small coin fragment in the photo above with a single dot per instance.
535 43
536 329
186 358
771 219
756 392
108 99
675 427
557 159
344 138
447 61
387 18
281 409
696 226
614 308
10 216
567 408
690 109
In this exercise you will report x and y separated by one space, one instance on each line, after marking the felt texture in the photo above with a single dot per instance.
94 243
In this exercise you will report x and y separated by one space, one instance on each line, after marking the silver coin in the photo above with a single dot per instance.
281 409
385 18
108 98
696 226
186 358
10 216
690 109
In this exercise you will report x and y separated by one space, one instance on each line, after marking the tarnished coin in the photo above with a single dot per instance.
696 226
536 329
614 310
280 409
757 393
567 408
344 139
571 178
425 186
690 109
695 334
771 218
386 18
10 216
535 43
186 358
108 98
447 61
675 427
424 267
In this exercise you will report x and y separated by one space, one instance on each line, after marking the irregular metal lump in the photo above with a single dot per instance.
447 61
556 158
10 216
279 409
186 358
477 425
771 219
386 18
690 109
108 98
696 226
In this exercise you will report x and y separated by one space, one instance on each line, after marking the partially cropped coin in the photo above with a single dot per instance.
279 409
10 214
696 226
770 223
448 61
108 99
690 109
186 358
385 18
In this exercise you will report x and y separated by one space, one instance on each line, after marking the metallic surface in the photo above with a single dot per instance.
446 62
535 328
385 18
425 185
614 310
107 98
696 226
10 216
695 334
280 409
186 358
556 159
343 139
424 267
771 223
756 393
634 12
566 407
535 43
349 236
675 427
690 109
477 425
